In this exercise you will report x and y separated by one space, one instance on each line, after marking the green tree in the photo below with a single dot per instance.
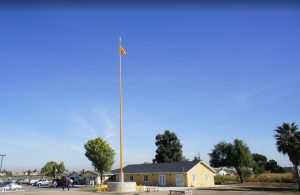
236 154
168 149
101 155
197 157
288 142
28 172
61 168
219 155
52 168
272 166
259 163
4 171
49 169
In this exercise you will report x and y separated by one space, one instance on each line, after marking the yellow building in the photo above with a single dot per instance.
189 174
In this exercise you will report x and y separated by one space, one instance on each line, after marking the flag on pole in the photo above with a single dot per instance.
122 51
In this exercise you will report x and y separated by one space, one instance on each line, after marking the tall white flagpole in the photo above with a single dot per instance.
121 149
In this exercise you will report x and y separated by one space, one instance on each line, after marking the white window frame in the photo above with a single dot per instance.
207 177
195 178
165 180
131 178
146 176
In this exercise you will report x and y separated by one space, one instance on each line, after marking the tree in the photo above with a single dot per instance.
185 159
236 154
4 172
272 166
49 169
259 163
219 157
52 168
288 142
61 168
28 172
101 155
197 157
240 158
168 149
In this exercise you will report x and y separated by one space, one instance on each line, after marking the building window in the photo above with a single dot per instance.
131 178
206 177
145 177
195 178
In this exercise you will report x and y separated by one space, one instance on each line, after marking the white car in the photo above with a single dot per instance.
11 186
32 181
3 188
23 181
42 182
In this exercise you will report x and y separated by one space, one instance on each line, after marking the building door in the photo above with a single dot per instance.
162 180
179 180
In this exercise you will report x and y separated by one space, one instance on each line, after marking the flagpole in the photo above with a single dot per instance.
121 149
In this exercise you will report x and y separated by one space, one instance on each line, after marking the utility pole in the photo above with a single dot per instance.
2 155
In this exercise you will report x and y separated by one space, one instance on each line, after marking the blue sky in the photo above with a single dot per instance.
207 75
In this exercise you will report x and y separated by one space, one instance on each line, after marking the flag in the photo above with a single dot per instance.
122 51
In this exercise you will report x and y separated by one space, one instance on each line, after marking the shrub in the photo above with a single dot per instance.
265 177
273 177
219 179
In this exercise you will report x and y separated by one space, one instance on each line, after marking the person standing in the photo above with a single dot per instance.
68 183
71 182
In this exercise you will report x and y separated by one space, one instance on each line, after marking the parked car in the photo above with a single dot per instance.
42 182
23 181
11 186
32 181
3 188
10 180
14 186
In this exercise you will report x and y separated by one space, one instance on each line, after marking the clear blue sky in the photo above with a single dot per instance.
207 75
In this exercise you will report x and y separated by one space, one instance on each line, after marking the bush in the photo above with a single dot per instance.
273 177
265 177
219 179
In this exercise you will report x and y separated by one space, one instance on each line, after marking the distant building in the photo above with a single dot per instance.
225 171
17 173
220 171
76 177
91 178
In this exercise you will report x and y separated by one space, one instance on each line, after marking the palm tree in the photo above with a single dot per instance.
288 142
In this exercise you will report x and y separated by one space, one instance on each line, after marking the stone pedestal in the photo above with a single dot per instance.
121 186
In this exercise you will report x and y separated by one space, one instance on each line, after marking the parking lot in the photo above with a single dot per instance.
35 189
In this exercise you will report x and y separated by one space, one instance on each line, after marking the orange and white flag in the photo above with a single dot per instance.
122 51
